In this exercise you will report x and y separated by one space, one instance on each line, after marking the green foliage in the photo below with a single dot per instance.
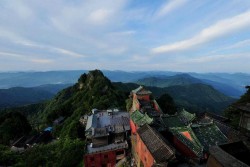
196 97
59 153
166 81
8 157
167 104
233 113
22 96
12 126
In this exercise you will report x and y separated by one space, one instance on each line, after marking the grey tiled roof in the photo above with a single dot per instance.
102 120
209 135
155 144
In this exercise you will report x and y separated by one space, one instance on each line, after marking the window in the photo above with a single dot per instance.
92 158
106 156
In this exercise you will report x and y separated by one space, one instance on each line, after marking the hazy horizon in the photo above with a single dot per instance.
27 71
166 35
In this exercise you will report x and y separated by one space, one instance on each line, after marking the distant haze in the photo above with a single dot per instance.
230 84
167 35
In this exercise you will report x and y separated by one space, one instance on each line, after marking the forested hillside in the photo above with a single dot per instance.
22 96
232 112
179 79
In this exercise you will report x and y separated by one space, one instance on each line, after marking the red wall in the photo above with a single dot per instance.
143 153
97 160
143 97
183 148
132 126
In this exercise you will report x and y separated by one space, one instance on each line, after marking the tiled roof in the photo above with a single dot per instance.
141 91
187 137
232 134
140 119
102 120
155 144
209 135
137 89
172 121
186 117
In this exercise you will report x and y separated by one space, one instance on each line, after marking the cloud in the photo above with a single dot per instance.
25 58
5 54
169 7
238 44
42 61
208 34
67 52
28 43
100 16
123 33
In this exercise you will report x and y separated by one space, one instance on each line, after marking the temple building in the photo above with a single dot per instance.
160 139
148 146
142 100
107 133
151 148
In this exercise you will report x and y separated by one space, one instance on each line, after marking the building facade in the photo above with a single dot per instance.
106 133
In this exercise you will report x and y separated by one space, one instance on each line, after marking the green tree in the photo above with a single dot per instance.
12 126
167 104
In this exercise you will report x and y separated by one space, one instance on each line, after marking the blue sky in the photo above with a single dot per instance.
131 35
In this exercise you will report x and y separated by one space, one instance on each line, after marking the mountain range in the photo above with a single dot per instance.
230 84
19 96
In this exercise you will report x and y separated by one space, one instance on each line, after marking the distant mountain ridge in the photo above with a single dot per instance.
19 96
186 79
230 84
179 79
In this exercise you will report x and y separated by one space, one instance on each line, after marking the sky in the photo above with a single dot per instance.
129 35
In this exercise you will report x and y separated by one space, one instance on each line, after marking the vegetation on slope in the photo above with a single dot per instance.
12 126
22 96
167 104
179 79
233 113
196 97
